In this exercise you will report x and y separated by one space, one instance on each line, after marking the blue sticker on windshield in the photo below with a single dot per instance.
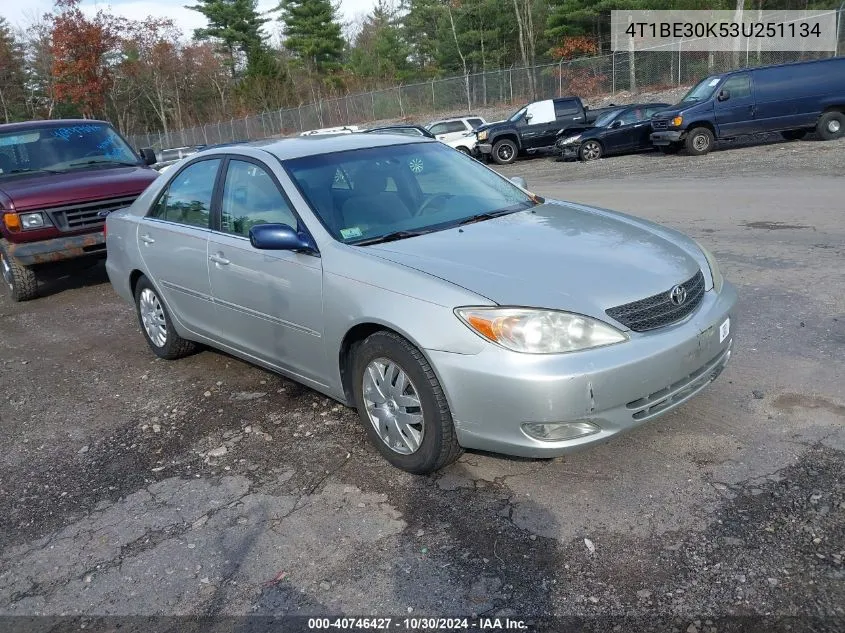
67 132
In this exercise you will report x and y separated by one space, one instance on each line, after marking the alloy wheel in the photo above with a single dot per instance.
591 150
505 153
393 406
834 126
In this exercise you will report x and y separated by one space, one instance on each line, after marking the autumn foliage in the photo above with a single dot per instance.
81 47
576 79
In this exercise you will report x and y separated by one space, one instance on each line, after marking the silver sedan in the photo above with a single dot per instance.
449 305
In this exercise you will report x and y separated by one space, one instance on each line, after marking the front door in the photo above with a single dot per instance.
269 302
734 107
173 241
538 123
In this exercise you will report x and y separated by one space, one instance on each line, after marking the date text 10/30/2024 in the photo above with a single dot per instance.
415 624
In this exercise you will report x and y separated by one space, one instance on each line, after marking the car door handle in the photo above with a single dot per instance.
146 239
218 259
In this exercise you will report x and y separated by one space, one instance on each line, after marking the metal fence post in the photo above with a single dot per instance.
373 99
433 102
560 78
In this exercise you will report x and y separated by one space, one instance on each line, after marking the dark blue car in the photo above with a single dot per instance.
792 99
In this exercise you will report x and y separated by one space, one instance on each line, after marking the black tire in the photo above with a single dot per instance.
699 141
831 126
590 150
505 152
794 135
174 346
673 148
439 446
464 150
19 279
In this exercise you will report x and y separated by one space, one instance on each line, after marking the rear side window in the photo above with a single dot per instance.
187 199
448 127
739 86
475 123
567 107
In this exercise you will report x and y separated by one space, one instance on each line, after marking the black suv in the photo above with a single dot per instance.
534 127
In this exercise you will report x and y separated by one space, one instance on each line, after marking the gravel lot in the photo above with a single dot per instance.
134 486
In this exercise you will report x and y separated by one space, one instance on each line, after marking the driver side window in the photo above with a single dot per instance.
251 197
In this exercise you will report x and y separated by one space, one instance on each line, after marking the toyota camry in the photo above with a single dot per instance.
452 307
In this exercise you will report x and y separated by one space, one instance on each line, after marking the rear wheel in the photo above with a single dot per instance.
590 150
699 141
156 324
464 150
20 280
402 405
831 126
504 152
794 135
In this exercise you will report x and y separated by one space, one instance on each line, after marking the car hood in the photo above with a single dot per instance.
556 255
48 190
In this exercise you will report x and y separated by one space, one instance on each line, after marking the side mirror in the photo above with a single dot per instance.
724 95
280 237
519 181
148 155
616 123
528 116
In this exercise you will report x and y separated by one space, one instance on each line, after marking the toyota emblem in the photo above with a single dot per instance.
678 295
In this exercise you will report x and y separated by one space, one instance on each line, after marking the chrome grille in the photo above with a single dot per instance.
659 124
76 217
658 310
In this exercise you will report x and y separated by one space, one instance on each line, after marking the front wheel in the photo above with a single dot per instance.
402 405
831 126
591 150
20 280
156 324
699 141
504 152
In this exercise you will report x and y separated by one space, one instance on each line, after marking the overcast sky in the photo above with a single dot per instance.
20 12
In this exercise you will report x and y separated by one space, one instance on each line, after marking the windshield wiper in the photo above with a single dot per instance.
390 237
25 170
489 215
96 161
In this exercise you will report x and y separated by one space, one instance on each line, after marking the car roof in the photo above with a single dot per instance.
301 146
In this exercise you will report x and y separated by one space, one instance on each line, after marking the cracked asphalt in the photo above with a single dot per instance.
135 486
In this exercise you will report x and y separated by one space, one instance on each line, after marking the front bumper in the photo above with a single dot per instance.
616 388
666 137
485 148
58 249
568 151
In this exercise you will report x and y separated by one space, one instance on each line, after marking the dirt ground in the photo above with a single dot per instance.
135 486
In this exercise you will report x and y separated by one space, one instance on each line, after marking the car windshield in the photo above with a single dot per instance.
56 148
607 118
398 191
518 114
702 91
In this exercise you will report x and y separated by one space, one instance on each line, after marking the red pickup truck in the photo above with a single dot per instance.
58 181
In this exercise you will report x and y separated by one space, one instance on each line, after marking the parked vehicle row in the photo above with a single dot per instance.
791 99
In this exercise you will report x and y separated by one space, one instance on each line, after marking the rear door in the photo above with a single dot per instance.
269 302
173 241
734 106
449 130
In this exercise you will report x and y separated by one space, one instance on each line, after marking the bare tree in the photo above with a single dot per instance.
527 40
460 54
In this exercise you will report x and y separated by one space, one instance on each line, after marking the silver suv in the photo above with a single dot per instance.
458 132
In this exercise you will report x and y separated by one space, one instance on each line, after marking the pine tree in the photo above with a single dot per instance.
312 34
237 25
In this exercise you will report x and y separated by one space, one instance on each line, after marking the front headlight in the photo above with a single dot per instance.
571 139
718 280
482 136
534 331
32 220
677 121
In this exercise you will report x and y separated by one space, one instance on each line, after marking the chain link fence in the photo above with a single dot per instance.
591 78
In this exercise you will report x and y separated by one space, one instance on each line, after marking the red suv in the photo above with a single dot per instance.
58 182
